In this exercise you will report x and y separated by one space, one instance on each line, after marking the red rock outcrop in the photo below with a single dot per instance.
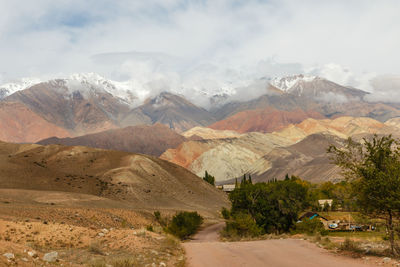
264 120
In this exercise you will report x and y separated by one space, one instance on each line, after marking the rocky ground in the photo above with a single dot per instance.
37 236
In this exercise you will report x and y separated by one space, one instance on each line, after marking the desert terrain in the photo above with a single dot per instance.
92 206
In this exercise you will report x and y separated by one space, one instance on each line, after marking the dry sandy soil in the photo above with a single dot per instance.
93 207
82 237
206 250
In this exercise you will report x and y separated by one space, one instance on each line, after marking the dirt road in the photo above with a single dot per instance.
206 250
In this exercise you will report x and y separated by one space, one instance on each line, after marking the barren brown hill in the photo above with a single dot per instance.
189 151
146 139
342 127
143 182
172 110
79 110
19 124
263 120
208 133
224 158
307 159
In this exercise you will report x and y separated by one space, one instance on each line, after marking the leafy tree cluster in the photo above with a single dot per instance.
341 193
373 166
271 207
209 178
184 224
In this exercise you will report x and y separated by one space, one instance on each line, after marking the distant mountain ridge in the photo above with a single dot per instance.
88 103
263 120
145 139
298 149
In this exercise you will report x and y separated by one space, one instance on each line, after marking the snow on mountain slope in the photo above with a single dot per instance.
126 91
286 83
129 92
12 87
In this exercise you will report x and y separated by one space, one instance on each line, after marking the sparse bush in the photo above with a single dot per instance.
350 245
226 214
241 225
157 215
184 224
310 227
124 263
162 221
98 264
95 248
150 228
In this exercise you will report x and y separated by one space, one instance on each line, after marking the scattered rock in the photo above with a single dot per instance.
9 255
162 264
100 234
105 231
51 256
386 259
32 253
24 259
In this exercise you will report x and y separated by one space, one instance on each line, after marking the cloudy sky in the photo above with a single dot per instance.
348 41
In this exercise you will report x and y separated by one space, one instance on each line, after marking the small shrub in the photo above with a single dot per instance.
98 263
226 214
184 224
150 228
241 225
310 227
95 248
124 263
157 215
350 245
162 221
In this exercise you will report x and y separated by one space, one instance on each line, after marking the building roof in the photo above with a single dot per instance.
228 187
311 215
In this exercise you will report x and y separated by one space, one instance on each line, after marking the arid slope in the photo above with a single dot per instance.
145 139
263 120
224 158
142 181
20 124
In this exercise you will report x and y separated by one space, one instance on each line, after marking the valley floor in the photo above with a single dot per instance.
206 250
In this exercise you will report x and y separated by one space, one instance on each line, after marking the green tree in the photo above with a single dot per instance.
374 166
209 178
184 224
274 206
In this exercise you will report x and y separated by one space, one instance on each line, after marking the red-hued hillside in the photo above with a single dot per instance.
264 120
19 124
146 139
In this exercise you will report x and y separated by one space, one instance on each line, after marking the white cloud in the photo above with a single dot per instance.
385 88
344 76
235 41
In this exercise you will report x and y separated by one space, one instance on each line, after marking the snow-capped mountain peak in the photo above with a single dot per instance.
286 83
93 82
12 87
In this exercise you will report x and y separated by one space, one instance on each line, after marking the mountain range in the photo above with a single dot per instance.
298 149
269 135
